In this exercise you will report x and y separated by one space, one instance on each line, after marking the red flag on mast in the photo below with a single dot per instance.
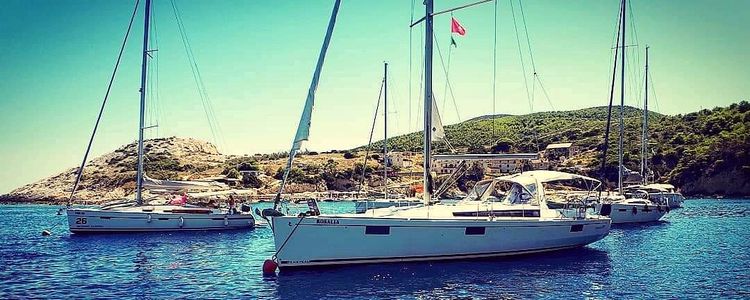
456 27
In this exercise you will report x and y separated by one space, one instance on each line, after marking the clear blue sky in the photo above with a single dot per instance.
256 58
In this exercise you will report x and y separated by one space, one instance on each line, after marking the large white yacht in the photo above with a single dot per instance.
502 216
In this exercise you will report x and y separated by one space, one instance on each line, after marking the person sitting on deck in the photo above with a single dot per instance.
179 200
232 205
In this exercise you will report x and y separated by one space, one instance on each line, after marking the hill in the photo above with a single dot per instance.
703 153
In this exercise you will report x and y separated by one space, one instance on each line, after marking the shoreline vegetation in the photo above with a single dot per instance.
703 153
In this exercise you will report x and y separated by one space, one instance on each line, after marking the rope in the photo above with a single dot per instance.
288 237
104 103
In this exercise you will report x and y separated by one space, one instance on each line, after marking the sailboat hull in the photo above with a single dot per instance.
319 241
624 213
137 220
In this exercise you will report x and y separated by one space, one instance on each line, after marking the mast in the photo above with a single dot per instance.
144 64
427 183
385 130
644 154
622 99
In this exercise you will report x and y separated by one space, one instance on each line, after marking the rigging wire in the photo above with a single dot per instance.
411 31
104 103
494 73
369 143
202 91
520 55
448 69
611 96
445 72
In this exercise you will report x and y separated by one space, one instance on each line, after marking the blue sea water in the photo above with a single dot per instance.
699 251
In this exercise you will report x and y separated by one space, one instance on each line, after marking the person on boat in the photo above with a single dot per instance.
232 205
179 200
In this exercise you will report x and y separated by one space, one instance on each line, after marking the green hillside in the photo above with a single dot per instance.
704 152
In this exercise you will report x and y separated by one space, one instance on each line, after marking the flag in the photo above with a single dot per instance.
456 27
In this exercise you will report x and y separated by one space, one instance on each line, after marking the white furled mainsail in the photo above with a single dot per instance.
303 128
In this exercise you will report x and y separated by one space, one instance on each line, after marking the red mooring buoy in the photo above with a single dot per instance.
269 267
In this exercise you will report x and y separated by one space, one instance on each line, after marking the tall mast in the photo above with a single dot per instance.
385 130
622 99
427 101
644 154
144 64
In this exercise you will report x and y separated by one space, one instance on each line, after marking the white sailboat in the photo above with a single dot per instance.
638 208
360 206
486 224
135 216
660 193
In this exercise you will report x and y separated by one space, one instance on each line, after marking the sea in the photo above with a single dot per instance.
699 251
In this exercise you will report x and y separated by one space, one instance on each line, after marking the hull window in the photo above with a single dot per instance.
474 230
576 228
378 230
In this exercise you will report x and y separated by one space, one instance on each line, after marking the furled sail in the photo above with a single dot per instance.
150 183
303 128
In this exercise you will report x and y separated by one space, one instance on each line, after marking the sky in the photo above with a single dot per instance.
256 60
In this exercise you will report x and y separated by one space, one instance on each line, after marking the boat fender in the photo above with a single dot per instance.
226 220
667 208
149 218
269 268
635 210
605 210
182 222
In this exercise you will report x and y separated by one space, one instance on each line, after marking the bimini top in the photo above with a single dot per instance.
543 176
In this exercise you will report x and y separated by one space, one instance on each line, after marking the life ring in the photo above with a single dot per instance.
182 222
635 210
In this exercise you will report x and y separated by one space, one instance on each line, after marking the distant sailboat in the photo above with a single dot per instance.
361 206
636 208
137 216
502 216
660 193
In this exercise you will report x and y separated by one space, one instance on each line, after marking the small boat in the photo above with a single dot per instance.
631 210
135 216
660 193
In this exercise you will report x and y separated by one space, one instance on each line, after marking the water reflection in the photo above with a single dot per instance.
527 276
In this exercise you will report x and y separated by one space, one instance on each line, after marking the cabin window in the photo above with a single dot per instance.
378 230
474 230
576 228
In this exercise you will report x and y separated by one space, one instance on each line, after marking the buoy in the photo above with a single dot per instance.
46 232
269 267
